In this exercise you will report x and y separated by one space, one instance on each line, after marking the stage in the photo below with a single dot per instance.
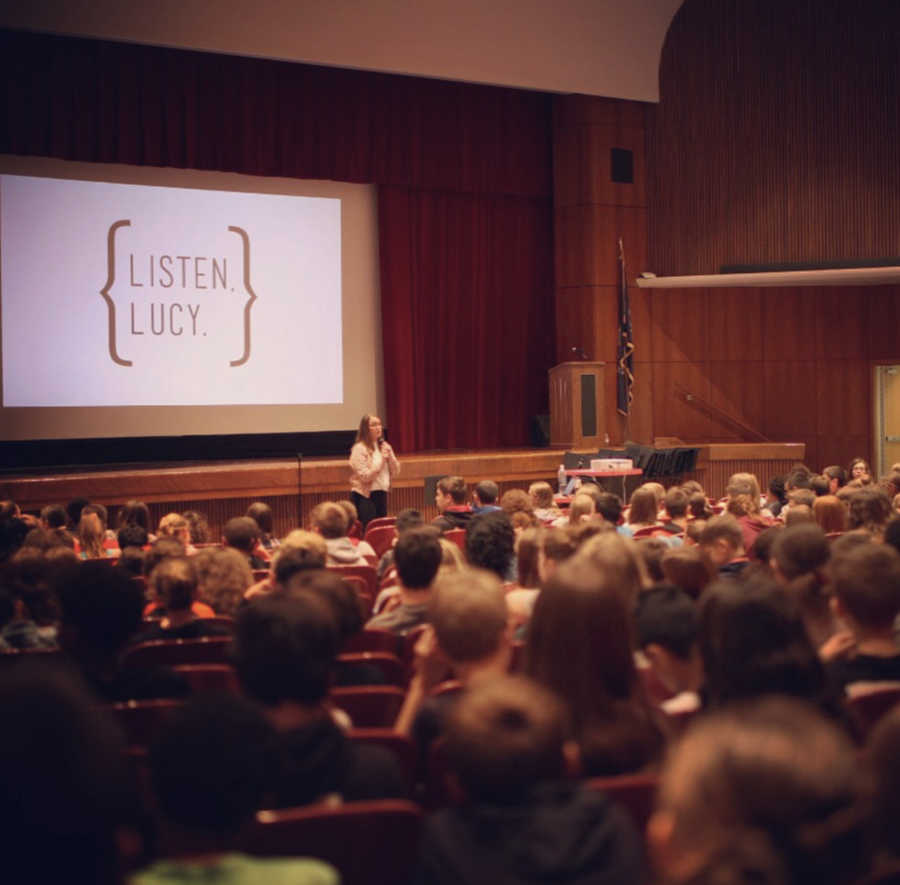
293 488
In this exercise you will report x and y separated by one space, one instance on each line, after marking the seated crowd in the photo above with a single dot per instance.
508 667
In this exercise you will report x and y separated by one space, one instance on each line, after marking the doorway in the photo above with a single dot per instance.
887 417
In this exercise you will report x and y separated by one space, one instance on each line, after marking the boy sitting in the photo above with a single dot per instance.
521 821
866 584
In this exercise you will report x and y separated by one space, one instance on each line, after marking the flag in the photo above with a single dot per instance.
625 351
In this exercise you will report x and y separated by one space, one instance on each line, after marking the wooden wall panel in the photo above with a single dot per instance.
680 331
790 398
777 139
735 325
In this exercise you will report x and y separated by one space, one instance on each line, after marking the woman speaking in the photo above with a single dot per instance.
372 464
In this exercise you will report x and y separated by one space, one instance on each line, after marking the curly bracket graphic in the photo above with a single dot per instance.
110 279
246 241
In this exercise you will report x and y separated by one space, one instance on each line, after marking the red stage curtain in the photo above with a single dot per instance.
466 196
467 316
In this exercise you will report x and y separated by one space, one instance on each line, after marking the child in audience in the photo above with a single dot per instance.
242 533
883 764
210 770
491 545
766 793
722 542
284 653
261 514
866 584
331 522
521 821
545 508
417 556
174 584
468 635
799 560
667 629
687 569
579 644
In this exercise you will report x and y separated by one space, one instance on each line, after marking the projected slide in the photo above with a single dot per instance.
132 295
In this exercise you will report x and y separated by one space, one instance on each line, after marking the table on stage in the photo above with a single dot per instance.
635 471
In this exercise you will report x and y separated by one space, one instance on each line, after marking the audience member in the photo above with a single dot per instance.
866 585
507 747
765 793
284 651
66 806
135 513
666 625
579 645
687 569
609 507
676 504
406 519
831 514
210 770
869 509
484 497
859 469
883 767
242 533
174 525
198 526
836 476
581 508
330 521
261 514
450 500
799 561
744 504
417 556
490 544
223 577
101 611
516 501
543 502
722 542
174 584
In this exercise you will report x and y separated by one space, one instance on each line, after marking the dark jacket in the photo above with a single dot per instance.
562 833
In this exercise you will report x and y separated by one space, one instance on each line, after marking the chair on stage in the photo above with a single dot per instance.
370 843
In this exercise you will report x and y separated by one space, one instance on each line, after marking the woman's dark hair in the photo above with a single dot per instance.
754 642
766 792
135 513
580 645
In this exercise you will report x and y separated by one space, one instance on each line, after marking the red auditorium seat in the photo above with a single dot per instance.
370 843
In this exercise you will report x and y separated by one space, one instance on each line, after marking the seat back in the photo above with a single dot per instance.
361 589
389 665
366 572
172 652
373 639
381 537
400 745
457 536
380 521
369 706
868 704
370 843
636 793
209 677
142 721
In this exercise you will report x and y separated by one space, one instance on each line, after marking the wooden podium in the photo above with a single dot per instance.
577 405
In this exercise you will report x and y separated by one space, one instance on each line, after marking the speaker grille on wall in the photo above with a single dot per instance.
621 164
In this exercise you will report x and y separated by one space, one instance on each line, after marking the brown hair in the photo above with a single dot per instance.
223 577
643 507
867 583
688 569
541 494
830 514
468 612
330 519
743 494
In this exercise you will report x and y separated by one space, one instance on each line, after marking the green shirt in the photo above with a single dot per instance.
240 869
